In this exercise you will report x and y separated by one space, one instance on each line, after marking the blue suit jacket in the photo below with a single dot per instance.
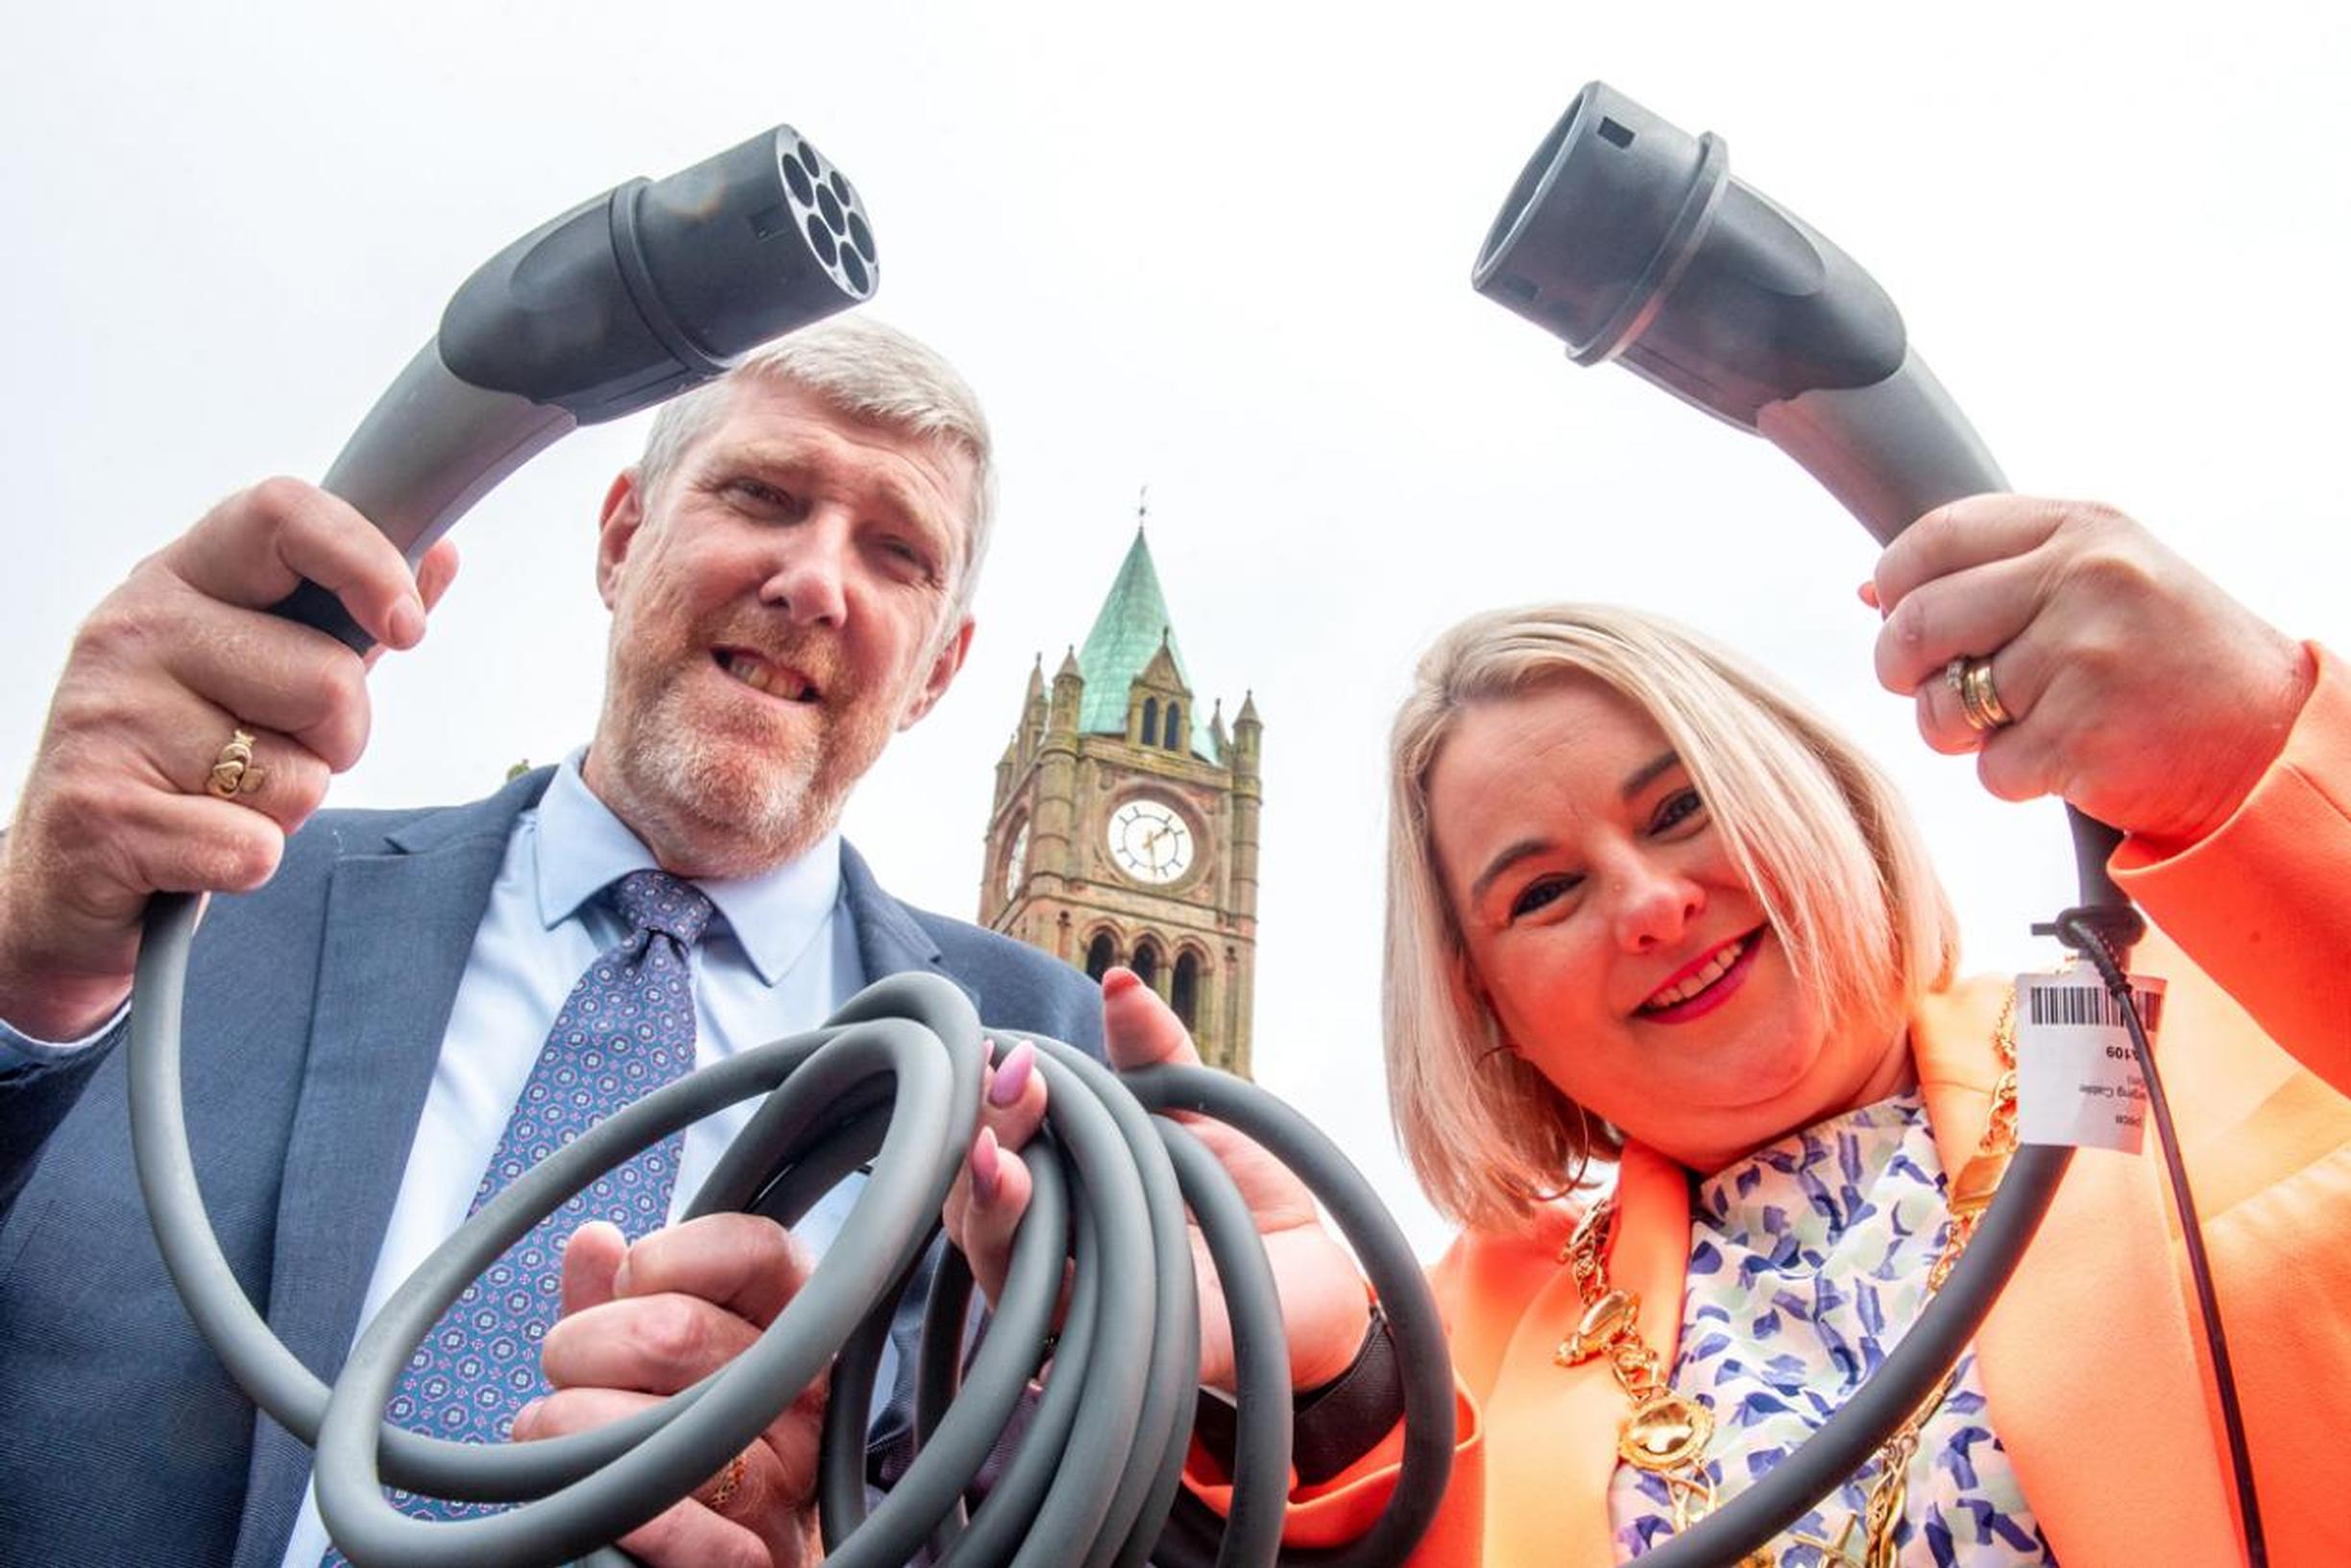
315 1012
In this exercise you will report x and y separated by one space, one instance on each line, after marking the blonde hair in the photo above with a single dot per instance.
868 370
1813 824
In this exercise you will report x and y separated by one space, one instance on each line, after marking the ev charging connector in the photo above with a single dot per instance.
1626 239
627 300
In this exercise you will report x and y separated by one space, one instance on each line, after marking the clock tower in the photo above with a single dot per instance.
1125 827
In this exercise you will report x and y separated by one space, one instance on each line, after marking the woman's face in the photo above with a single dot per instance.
1618 945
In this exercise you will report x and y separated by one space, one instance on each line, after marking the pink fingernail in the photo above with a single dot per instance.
1013 1075
985 1176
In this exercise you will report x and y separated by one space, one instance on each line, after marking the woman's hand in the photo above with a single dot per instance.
2139 690
1325 1309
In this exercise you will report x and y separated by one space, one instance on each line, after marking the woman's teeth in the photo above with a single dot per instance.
1682 990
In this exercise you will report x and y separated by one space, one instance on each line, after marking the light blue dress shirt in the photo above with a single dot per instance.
781 956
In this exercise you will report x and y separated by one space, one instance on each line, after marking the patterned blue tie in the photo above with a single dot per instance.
627 1030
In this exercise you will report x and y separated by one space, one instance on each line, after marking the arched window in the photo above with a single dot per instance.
1174 727
1184 995
1151 719
1145 962
1100 953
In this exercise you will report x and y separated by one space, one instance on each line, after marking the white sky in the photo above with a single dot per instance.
1223 250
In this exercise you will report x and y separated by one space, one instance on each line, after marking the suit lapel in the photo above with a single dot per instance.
401 914
890 939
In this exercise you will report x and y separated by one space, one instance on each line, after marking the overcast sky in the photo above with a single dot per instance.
1222 249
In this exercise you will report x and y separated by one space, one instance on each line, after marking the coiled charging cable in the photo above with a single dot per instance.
892 1082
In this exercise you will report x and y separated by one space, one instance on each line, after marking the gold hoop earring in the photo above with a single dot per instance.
1495 1044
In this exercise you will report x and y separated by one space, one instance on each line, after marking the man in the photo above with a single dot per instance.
789 574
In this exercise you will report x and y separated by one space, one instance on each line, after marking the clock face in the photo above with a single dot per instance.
1016 861
1150 842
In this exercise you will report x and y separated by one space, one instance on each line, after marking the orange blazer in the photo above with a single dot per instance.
2092 1361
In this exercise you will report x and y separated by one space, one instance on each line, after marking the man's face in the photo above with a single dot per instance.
779 608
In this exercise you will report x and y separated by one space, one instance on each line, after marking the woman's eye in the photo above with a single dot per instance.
1537 894
1676 809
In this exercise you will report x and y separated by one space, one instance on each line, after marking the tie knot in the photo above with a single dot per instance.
656 900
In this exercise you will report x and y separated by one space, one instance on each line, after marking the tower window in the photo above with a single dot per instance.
1100 953
1184 995
1145 963
1174 727
1151 719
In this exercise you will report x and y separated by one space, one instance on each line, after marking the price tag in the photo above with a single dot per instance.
2078 1079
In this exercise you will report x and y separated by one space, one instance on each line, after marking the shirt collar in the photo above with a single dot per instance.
583 848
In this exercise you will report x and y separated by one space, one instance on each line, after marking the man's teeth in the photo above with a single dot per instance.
749 671
1690 988
760 676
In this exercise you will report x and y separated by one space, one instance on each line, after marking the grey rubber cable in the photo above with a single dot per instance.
893 1078
1395 1273
1261 1352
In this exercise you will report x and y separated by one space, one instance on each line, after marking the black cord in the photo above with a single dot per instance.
2078 930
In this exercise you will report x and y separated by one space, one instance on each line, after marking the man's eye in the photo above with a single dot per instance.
1542 891
759 495
908 558
1678 808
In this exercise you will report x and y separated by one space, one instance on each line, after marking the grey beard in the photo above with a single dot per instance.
732 819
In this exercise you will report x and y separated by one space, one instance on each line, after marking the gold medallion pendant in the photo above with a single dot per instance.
1605 1323
1665 1433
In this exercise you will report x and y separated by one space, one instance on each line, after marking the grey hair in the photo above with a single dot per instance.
871 370
1811 824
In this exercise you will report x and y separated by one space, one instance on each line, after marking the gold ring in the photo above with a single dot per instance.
233 771
730 1481
1979 700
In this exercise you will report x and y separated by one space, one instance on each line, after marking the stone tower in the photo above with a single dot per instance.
1125 829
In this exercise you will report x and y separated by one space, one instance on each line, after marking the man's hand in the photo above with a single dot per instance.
170 665
1325 1309
2140 691
642 1322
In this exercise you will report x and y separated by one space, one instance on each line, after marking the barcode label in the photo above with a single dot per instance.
2078 1074
2092 1005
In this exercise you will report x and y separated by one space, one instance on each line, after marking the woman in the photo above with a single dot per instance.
1644 908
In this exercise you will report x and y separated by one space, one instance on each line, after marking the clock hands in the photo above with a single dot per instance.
1151 844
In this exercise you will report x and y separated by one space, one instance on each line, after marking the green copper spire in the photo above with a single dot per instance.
1126 636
